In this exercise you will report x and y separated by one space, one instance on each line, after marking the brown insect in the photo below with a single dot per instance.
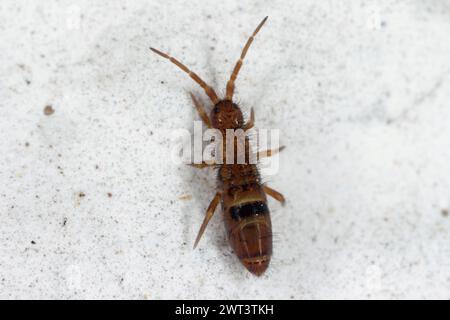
241 192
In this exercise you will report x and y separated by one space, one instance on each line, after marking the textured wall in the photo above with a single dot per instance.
90 202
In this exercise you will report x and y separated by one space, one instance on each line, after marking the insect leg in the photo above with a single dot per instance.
251 122
237 67
201 110
269 153
208 90
209 213
274 194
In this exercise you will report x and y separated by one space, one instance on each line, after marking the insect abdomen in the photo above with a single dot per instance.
250 234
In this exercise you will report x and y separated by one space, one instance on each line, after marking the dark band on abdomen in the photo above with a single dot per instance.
249 210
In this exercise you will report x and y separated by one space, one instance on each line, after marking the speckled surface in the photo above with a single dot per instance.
90 203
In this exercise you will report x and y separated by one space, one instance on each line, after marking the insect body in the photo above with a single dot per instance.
241 193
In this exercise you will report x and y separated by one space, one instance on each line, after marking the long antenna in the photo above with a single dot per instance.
208 90
237 67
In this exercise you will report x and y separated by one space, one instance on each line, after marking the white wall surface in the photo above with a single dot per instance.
360 91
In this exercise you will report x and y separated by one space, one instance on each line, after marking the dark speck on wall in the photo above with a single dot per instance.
109 194
48 110
33 242
81 194
444 212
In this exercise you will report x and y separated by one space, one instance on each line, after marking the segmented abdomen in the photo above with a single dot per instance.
247 217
